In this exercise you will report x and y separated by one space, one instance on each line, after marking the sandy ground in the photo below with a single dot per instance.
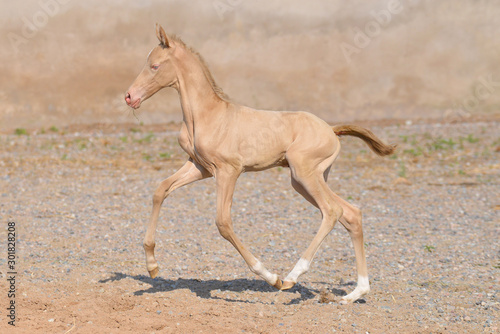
80 197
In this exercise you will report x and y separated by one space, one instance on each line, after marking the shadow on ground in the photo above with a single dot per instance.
204 289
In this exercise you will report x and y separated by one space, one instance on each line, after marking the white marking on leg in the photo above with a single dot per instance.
363 283
301 267
362 288
260 270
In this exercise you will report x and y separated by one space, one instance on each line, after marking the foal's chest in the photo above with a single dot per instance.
195 152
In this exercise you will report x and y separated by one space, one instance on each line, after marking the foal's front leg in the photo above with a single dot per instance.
188 173
226 182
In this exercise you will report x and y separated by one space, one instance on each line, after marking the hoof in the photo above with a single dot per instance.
287 285
278 285
153 273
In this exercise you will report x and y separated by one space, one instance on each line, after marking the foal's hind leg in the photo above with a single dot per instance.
188 173
314 188
351 219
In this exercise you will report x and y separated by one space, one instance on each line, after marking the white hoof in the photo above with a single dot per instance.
355 295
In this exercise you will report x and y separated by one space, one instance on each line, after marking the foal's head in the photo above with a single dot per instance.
159 72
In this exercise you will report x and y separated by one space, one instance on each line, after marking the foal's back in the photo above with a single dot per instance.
262 138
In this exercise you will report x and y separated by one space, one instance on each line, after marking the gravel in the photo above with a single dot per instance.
80 200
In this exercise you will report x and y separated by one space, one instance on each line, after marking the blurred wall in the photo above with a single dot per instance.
68 61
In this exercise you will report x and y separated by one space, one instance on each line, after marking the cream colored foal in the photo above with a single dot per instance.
224 140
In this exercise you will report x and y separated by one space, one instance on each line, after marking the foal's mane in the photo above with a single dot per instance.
218 91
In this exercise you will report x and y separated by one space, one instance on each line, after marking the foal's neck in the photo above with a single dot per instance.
199 102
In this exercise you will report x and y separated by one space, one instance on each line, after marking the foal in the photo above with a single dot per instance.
224 140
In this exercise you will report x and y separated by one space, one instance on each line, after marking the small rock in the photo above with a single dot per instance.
386 308
51 320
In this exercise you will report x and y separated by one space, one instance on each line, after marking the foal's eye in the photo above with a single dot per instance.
155 67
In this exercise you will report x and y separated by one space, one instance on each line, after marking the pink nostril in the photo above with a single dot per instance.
127 97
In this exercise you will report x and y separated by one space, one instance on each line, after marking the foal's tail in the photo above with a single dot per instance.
367 136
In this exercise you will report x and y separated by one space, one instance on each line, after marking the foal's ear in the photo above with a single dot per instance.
162 37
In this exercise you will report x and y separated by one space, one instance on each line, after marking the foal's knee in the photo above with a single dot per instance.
333 212
157 198
159 195
148 244
160 192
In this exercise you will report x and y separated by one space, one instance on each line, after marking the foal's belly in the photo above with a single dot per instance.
256 166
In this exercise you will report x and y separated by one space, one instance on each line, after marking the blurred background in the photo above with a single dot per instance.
66 61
